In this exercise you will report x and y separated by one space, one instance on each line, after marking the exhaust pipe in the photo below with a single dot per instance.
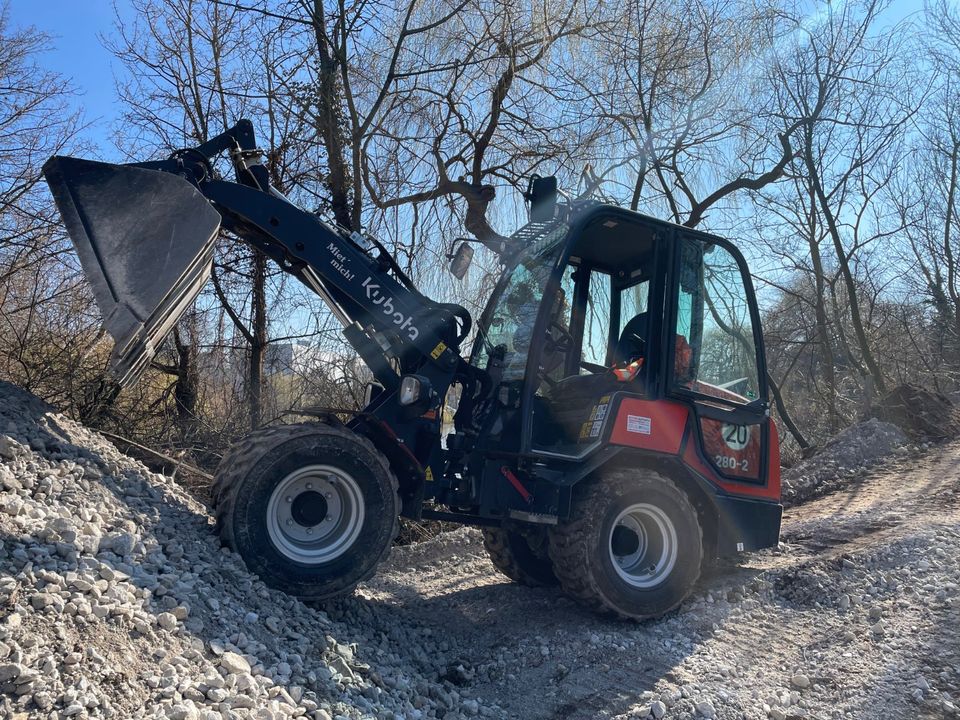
145 240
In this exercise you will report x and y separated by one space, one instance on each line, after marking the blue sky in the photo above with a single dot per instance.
77 52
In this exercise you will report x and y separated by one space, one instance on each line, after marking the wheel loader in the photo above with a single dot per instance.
611 431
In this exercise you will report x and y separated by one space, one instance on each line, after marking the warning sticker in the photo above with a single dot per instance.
638 424
438 350
594 424
599 412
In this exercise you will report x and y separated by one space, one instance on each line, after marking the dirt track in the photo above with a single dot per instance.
116 601
751 635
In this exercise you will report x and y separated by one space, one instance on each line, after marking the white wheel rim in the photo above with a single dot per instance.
643 545
315 514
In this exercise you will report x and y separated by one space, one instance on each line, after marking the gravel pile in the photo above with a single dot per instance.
845 459
117 601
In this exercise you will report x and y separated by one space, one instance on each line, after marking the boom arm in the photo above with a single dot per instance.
364 291
135 225
145 235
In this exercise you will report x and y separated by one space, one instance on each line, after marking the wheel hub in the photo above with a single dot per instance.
624 541
315 514
308 508
643 545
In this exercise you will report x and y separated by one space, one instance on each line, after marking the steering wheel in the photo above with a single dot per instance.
561 344
595 368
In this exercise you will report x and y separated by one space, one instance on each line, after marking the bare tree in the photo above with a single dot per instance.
48 337
679 93
398 110
205 73
927 193
851 100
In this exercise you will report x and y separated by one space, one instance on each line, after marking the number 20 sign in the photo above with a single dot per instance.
736 436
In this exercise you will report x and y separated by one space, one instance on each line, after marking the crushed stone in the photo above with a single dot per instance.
855 615
843 460
117 601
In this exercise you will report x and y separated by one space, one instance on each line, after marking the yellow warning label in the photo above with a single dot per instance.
438 350
428 474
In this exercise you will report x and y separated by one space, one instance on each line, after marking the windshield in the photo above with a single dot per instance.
510 319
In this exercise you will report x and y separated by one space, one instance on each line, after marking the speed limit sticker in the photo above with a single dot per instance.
736 436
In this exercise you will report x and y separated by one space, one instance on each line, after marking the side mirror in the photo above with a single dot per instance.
460 262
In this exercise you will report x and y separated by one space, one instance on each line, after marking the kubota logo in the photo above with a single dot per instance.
386 304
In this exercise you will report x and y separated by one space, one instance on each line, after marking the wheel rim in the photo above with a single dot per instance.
643 545
315 514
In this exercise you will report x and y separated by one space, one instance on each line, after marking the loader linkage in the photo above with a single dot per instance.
611 427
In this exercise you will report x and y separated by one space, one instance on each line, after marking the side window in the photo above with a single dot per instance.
715 350
596 325
715 353
553 358
633 302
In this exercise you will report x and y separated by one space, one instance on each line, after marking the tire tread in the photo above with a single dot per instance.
568 545
242 456
496 543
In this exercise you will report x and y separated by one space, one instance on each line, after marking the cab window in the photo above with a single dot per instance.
715 352
557 342
633 302
596 323
509 329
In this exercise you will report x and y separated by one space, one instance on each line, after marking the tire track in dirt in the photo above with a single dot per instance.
747 630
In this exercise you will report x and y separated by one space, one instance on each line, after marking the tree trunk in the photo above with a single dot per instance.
258 343
820 311
785 415
329 123
186 391
852 295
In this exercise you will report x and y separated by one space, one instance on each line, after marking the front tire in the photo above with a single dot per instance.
632 545
311 508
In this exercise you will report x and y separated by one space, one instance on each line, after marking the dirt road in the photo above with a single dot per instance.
856 615
116 601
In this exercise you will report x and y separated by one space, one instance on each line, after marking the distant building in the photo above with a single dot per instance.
291 357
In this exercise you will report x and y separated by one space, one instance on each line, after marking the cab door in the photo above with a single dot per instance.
716 361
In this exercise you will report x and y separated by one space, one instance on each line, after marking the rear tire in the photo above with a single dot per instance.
311 508
632 545
520 555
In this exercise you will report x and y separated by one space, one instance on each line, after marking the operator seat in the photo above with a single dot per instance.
633 340
574 397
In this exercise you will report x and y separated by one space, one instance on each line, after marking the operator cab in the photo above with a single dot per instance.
596 333
612 301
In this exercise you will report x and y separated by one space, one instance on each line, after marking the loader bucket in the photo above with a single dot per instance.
145 240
